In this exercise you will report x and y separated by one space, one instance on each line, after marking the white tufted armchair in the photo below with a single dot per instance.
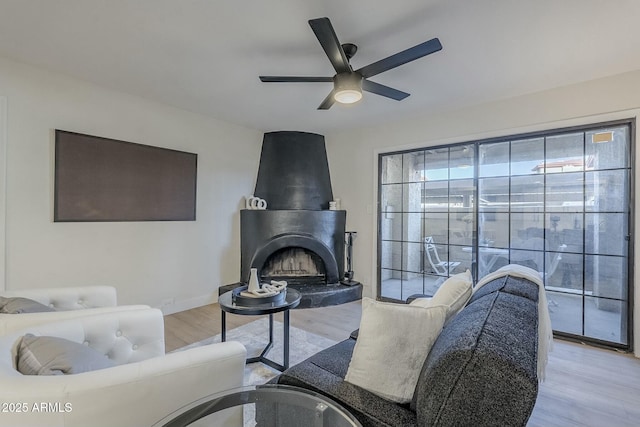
145 386
70 302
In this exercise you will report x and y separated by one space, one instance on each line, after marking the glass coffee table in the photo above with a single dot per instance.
269 405
291 300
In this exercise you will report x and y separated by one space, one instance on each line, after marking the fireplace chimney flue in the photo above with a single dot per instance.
294 172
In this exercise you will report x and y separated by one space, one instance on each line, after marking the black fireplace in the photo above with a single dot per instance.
299 246
296 238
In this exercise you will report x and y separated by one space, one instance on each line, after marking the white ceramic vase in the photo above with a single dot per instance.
253 280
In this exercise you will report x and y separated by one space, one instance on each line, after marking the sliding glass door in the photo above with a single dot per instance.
557 202
426 219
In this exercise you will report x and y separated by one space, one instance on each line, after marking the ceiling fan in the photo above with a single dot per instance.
347 83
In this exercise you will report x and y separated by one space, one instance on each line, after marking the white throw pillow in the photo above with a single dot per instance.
392 345
455 292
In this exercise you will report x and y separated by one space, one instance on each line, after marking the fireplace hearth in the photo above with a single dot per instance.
296 238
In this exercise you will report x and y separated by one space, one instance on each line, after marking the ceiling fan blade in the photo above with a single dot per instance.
383 90
408 55
294 79
328 102
329 41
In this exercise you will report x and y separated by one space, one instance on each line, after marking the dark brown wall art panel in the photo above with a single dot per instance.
101 179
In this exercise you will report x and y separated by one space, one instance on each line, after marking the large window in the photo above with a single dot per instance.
557 202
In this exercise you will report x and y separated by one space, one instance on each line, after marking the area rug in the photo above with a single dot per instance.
255 336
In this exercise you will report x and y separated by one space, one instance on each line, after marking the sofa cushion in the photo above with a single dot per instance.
42 355
454 293
482 368
376 365
18 305
324 373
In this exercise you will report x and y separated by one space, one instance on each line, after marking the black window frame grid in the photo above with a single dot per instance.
545 134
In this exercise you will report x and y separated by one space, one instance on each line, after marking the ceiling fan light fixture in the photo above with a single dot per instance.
347 88
348 96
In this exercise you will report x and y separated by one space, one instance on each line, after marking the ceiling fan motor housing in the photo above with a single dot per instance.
347 81
349 49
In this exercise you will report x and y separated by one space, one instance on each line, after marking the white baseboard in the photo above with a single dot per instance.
188 304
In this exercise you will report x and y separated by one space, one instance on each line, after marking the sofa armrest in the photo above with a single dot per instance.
124 336
70 298
135 394
13 322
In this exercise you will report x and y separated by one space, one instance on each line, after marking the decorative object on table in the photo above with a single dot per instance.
253 281
255 289
333 206
252 202
275 285
348 275
255 294
245 298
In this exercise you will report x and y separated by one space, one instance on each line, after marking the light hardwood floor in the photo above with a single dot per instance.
584 386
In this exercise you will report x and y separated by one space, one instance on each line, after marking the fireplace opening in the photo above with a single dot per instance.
296 265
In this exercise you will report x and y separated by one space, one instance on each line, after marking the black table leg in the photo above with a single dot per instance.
224 327
263 355
286 339
270 329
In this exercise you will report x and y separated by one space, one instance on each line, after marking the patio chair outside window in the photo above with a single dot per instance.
530 255
555 261
440 267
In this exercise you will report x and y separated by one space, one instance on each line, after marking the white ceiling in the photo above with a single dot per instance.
205 55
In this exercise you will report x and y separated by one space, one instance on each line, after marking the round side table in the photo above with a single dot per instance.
292 299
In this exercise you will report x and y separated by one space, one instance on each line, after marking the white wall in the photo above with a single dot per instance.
353 155
3 185
177 265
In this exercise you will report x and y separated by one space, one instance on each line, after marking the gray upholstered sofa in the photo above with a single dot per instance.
481 371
